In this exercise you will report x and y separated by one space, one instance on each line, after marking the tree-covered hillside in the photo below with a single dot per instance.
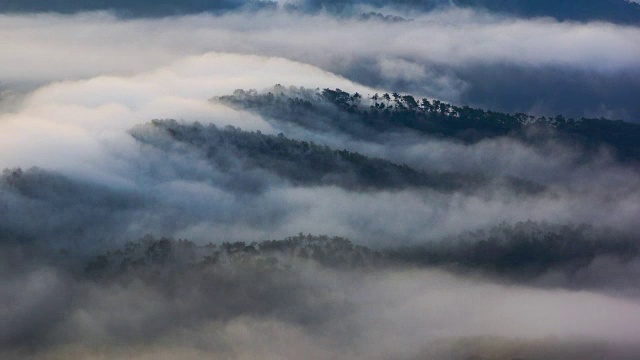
523 251
305 163
377 115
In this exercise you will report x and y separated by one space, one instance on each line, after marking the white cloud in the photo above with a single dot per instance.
69 125
44 47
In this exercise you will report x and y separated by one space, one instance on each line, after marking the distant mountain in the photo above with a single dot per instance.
618 11
133 8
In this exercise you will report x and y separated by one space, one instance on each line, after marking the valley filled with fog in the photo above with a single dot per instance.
320 179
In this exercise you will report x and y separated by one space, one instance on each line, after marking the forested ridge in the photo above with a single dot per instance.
523 252
309 164
334 109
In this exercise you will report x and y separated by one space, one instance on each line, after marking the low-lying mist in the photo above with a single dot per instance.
304 296
147 160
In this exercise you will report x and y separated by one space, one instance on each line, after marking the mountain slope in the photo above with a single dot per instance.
368 119
306 163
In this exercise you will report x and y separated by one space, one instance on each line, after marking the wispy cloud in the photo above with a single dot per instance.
453 54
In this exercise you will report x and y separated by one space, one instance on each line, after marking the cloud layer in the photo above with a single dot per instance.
243 309
81 130
458 55
78 90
